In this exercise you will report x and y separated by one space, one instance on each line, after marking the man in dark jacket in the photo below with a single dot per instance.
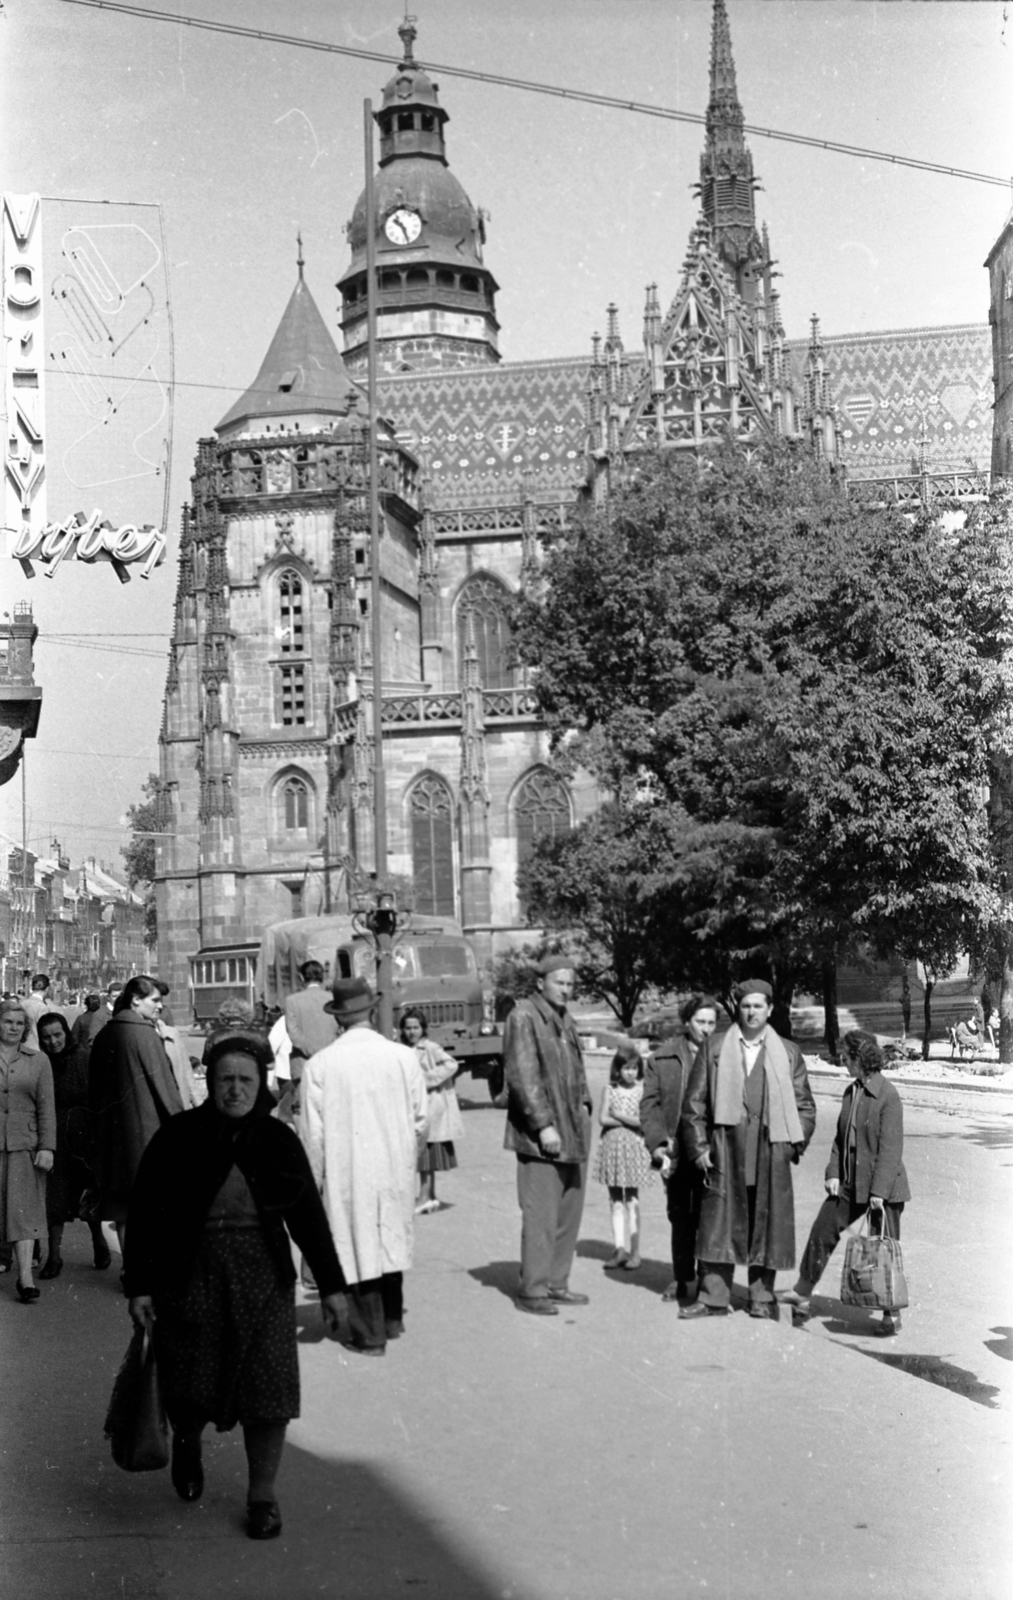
549 1128
749 1115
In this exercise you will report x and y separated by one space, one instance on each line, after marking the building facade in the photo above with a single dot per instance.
269 724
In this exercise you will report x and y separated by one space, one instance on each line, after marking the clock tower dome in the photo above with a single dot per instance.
436 299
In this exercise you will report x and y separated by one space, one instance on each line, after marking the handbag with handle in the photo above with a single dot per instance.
873 1271
135 1422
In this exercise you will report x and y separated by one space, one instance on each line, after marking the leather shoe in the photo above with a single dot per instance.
699 1309
541 1306
566 1297
763 1310
27 1293
890 1324
103 1259
187 1471
53 1268
263 1519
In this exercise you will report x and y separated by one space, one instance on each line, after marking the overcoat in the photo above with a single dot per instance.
723 1234
29 1122
879 1141
310 1027
545 1080
666 1076
444 1122
131 1093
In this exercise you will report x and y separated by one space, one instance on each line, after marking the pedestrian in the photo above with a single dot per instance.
27 1142
748 1117
622 1162
131 1093
209 1270
177 1052
865 1172
363 1112
308 1021
92 1018
35 1004
70 1175
443 1114
666 1077
548 1128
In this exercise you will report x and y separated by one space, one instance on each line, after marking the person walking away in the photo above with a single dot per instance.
35 1004
865 1171
71 1174
308 1022
666 1077
27 1142
219 1192
443 1119
548 1128
622 1162
363 1111
92 1018
748 1118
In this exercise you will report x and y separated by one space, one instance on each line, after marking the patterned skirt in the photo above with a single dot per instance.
622 1161
226 1348
438 1157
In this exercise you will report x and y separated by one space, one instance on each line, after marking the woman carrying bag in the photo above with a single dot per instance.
865 1173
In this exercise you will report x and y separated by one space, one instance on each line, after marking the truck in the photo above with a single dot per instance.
433 967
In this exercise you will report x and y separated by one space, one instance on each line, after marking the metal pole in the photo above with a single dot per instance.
384 982
24 811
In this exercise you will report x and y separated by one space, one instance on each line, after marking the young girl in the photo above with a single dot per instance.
445 1123
622 1161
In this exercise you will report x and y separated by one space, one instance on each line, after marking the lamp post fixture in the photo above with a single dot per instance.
380 920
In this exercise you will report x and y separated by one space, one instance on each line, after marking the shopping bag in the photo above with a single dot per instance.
873 1271
135 1421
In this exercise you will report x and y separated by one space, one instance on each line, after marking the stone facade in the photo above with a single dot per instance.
1000 272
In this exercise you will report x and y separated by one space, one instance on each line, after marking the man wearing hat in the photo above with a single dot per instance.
747 1118
549 1128
364 1108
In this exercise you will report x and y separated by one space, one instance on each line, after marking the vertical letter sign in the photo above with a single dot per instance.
24 445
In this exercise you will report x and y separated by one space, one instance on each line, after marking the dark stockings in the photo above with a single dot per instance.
264 1443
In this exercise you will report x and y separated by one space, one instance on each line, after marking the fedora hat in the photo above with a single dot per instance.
350 998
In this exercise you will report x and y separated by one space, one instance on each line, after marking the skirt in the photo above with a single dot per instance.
226 1347
438 1157
622 1161
22 1197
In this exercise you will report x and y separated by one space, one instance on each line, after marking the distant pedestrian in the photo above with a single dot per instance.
666 1078
92 1018
35 1004
623 1162
549 1130
309 1023
443 1114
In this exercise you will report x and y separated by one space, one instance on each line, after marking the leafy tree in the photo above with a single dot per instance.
139 854
798 689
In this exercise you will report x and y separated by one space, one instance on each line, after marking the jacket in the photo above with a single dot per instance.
310 1027
879 1141
29 1122
131 1093
545 1080
666 1075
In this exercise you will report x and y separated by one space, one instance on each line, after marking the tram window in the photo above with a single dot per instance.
241 973
232 969
220 970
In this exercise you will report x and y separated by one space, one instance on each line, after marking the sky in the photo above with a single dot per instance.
244 142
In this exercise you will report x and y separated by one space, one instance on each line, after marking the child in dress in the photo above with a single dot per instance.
622 1162
444 1124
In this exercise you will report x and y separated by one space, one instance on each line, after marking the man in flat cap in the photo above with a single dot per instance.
549 1128
747 1117
364 1107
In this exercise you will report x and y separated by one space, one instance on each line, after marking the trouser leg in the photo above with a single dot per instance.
716 1283
365 1313
392 1296
684 1194
833 1216
539 1192
570 1211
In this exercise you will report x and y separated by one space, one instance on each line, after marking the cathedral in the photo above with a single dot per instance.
269 722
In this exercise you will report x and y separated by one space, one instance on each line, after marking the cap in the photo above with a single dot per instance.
755 986
554 964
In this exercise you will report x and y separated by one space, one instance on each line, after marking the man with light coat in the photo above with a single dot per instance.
363 1112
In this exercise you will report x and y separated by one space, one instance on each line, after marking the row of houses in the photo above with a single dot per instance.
82 926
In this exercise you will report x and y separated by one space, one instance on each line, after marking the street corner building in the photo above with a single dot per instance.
266 764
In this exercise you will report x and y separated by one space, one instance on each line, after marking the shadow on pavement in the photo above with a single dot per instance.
501 1275
1003 1346
933 1369
652 1274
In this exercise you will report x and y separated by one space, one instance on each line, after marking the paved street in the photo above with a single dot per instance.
610 1454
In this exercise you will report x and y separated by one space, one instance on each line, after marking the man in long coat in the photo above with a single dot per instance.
364 1109
549 1128
749 1115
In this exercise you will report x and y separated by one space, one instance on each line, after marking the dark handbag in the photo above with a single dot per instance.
135 1421
873 1272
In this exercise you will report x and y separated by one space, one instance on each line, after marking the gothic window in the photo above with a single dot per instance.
541 810
483 603
292 633
430 811
291 696
293 805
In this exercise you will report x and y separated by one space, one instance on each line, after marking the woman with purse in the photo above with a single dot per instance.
27 1142
209 1270
865 1172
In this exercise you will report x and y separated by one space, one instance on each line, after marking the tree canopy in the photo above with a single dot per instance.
139 854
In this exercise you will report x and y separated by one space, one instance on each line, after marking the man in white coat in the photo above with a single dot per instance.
364 1109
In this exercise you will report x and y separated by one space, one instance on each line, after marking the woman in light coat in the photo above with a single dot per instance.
27 1142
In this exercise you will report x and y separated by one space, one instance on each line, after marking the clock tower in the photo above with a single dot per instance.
436 299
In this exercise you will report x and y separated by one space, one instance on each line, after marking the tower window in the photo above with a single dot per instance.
292 696
295 798
390 280
428 122
445 279
483 606
418 276
469 283
541 811
290 597
405 121
432 835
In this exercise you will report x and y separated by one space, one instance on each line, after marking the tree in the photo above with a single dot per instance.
803 682
139 854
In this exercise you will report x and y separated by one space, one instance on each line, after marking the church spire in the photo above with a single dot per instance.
726 167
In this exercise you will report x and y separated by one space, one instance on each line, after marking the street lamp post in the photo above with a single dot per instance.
382 921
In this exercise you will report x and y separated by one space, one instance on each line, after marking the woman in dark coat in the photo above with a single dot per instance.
71 1172
209 1268
27 1142
865 1171
131 1093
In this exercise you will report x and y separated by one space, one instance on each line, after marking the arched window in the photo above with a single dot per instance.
483 603
431 812
295 805
292 634
541 809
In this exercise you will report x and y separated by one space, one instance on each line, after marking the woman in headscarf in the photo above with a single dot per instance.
27 1141
131 1093
71 1172
209 1268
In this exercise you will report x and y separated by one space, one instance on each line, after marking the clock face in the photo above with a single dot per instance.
403 226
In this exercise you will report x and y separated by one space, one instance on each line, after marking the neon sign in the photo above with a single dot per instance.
24 445
91 539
